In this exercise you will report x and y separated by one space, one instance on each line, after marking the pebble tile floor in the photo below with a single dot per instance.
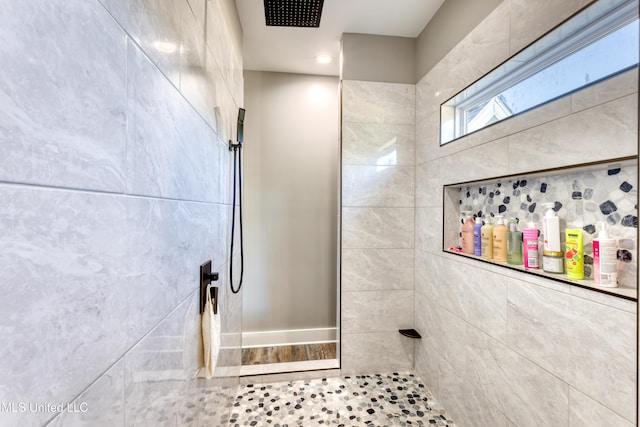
398 399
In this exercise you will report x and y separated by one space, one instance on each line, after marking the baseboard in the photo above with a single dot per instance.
289 367
288 337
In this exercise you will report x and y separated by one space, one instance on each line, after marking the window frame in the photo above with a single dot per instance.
608 17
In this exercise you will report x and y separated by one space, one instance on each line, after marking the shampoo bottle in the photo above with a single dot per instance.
530 247
486 236
574 253
477 237
605 264
467 234
551 228
514 244
499 240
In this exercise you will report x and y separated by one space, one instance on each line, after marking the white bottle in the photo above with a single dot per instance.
605 264
551 228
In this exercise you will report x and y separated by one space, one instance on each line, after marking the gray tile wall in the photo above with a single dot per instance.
114 181
378 175
502 348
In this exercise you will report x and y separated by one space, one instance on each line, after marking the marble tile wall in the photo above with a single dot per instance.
115 179
378 176
499 343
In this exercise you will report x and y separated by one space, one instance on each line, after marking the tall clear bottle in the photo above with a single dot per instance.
514 243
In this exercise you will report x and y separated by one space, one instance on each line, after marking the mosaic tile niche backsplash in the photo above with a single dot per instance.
581 199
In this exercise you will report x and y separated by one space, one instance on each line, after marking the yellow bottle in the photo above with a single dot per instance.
574 255
499 240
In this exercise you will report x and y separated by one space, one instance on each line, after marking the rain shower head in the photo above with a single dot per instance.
293 13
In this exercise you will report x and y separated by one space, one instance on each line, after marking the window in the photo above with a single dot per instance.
598 43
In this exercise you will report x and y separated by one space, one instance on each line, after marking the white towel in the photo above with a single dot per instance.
210 335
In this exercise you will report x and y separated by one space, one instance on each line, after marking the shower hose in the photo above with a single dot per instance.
236 155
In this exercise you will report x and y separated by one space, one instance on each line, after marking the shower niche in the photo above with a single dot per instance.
582 195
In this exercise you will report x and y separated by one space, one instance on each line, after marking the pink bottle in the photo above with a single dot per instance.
530 248
467 234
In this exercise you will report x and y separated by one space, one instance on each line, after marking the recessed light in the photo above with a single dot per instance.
165 47
323 59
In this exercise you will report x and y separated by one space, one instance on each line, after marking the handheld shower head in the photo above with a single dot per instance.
237 148
240 136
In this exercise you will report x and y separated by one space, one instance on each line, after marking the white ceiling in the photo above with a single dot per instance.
293 50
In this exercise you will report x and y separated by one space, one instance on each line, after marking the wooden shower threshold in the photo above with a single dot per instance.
288 353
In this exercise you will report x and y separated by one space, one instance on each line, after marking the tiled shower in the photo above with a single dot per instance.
498 347
111 194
